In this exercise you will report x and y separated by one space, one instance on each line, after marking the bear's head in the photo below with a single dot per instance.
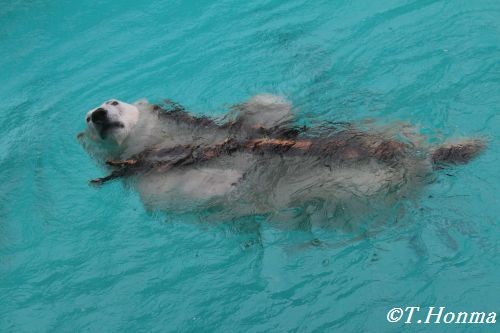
112 121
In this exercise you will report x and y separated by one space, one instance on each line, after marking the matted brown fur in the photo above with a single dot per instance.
344 147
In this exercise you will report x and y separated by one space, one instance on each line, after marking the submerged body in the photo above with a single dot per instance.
258 162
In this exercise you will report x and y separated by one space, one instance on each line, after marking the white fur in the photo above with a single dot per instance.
265 111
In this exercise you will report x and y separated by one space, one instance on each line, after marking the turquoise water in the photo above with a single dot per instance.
78 258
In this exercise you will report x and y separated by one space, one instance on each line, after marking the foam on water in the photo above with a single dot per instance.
73 257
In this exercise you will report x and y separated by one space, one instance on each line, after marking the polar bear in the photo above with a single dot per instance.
257 160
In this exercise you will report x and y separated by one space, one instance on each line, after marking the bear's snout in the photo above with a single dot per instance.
99 116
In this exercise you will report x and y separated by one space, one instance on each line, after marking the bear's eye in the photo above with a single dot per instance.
114 103
88 119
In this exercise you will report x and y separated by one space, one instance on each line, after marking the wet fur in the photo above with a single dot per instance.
260 163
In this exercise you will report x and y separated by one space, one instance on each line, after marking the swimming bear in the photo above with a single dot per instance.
257 160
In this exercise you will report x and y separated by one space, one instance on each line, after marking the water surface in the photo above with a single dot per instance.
77 258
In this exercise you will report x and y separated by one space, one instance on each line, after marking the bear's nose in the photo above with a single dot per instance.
99 116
